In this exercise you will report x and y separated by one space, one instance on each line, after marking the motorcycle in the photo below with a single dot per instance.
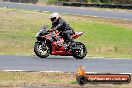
51 43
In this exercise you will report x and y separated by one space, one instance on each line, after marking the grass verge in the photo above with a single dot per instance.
19 79
103 37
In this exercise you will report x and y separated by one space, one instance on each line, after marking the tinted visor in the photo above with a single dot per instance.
52 19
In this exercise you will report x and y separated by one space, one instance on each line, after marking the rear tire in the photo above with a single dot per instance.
80 54
40 52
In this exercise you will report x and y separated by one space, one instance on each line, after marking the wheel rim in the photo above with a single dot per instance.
41 51
80 52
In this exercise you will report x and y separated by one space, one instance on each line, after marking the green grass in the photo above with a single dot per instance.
103 37
106 38
47 2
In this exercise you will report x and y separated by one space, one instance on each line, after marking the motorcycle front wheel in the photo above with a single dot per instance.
40 51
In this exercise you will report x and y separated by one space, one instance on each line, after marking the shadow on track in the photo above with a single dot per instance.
59 58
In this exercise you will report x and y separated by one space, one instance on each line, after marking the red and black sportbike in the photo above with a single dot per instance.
50 43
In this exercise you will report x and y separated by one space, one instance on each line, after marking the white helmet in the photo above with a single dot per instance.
54 16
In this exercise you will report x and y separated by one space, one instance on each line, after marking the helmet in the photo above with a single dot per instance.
54 16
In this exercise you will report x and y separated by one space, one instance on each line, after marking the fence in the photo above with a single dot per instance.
121 6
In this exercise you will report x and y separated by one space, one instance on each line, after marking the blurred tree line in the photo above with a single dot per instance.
102 1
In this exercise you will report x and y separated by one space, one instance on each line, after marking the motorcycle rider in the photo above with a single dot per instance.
65 30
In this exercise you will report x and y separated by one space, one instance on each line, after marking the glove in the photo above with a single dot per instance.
54 28
50 30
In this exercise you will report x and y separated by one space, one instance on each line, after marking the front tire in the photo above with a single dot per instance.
81 53
40 52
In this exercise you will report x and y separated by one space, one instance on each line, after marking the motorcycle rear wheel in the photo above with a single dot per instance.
40 52
80 54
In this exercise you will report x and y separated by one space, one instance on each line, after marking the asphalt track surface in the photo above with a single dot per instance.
64 64
72 10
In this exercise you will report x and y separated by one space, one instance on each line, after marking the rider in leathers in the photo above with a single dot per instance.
65 30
